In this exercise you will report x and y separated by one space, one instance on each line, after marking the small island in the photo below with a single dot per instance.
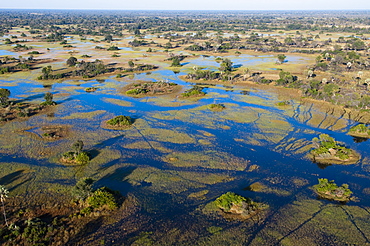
331 191
151 88
236 206
11 110
328 151
77 156
359 131
216 107
195 91
118 123
91 89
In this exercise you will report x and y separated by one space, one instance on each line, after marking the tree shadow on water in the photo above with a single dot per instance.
10 178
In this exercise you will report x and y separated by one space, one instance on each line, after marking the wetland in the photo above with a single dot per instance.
133 148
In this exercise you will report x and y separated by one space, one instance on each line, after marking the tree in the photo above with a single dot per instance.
4 96
48 97
226 65
4 194
108 38
281 58
131 63
176 62
72 61
78 146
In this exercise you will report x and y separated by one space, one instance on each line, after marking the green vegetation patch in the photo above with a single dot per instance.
361 130
331 191
328 151
238 205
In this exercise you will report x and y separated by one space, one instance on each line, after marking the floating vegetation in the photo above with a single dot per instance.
118 102
207 159
81 115
54 132
328 151
331 191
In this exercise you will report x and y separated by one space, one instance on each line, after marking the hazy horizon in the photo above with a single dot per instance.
231 5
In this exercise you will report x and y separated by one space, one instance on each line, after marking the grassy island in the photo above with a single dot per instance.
151 88
118 122
233 204
216 107
331 191
328 151
196 91
361 131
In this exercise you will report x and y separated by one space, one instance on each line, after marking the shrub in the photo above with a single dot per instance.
216 106
195 91
120 120
102 197
227 200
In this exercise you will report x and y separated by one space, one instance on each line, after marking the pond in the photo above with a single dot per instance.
179 156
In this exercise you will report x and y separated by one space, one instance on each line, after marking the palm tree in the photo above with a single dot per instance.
4 194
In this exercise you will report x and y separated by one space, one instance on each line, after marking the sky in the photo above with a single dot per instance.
189 4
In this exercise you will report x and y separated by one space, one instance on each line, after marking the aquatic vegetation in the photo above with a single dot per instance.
118 102
330 190
328 151
83 115
360 130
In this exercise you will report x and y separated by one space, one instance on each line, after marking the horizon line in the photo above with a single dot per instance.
236 10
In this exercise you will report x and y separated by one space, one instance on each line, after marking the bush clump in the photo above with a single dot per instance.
103 198
196 91
77 156
120 121
216 107
229 199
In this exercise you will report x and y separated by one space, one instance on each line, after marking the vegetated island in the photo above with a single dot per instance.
142 89
331 191
328 151
120 122
195 91
360 131
217 107
234 206
77 156
11 111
